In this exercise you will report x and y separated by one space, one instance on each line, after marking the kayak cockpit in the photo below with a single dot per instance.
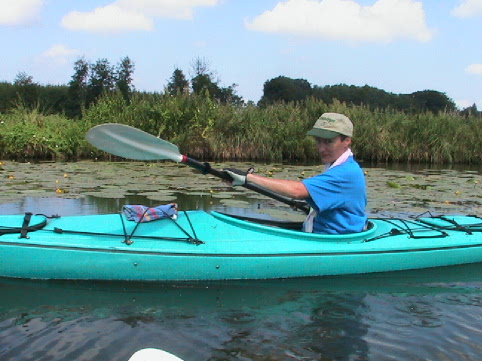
292 229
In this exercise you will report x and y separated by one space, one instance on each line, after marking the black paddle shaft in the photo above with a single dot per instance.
206 168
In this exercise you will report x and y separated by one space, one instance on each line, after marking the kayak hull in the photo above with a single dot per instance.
201 246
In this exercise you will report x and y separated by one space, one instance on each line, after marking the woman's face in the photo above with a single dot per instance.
331 149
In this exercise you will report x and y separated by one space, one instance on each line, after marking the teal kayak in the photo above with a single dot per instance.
200 246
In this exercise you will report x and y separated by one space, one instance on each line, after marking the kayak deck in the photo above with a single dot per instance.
198 228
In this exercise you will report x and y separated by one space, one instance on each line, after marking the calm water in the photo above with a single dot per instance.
423 315
417 315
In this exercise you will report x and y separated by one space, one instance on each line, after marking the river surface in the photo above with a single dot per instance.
433 314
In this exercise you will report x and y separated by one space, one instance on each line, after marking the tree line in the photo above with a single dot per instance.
286 89
91 80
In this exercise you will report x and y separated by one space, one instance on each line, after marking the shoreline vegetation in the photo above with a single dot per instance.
206 129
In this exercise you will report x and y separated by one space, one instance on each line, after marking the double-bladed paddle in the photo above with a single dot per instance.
128 142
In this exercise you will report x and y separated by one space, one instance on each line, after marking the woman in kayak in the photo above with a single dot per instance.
338 195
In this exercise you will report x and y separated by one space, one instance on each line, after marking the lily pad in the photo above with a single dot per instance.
32 192
107 194
235 203
162 197
225 195
160 192
392 184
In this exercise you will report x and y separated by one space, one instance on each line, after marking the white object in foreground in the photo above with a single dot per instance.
153 354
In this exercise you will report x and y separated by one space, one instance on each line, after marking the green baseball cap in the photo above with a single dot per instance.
329 125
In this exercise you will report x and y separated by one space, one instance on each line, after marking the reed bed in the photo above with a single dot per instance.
205 129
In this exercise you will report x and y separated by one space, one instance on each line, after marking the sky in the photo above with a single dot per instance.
400 46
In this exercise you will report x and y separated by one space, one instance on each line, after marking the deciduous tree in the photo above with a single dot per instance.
284 89
77 95
26 90
102 79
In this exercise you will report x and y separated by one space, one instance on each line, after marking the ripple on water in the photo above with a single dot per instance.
450 327
460 299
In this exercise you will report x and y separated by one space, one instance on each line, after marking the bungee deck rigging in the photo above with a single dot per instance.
400 226
25 228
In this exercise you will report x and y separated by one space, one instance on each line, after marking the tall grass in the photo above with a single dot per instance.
27 134
425 138
208 130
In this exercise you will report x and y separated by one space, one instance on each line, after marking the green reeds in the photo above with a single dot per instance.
206 129
27 135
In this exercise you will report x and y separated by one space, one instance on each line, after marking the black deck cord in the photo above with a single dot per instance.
425 227
60 231
128 238
29 228
26 221
458 226
194 239
392 232
400 230
48 217
190 224
190 239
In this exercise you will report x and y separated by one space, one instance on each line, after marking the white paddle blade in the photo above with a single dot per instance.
131 143
153 354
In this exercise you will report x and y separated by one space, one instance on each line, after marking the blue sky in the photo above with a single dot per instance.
400 46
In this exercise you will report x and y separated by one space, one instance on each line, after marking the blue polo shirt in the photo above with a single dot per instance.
339 198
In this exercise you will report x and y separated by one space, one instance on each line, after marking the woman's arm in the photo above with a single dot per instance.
288 188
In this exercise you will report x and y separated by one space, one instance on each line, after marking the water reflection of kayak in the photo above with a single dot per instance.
210 295
205 246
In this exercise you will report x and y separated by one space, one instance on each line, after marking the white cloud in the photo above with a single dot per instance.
468 8
110 19
131 15
474 69
19 12
59 54
177 9
384 21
